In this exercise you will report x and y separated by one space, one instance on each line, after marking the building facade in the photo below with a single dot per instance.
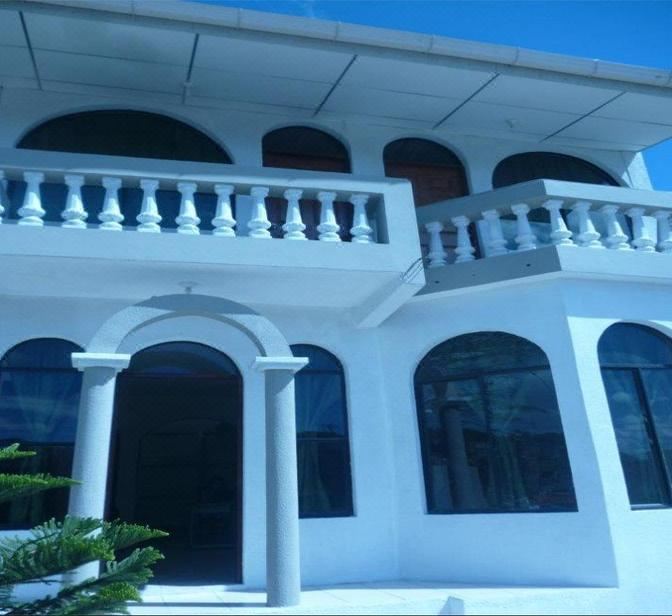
457 329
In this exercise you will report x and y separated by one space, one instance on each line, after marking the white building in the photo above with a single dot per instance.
455 433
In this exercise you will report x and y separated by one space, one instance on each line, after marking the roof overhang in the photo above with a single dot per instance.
194 54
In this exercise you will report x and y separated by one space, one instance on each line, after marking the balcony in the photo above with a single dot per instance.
547 229
112 227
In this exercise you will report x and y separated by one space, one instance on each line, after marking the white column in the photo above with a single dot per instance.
31 211
149 217
328 227
74 214
560 234
224 221
92 442
259 224
664 231
496 241
187 220
524 236
464 250
4 203
361 230
437 254
641 239
283 571
588 236
616 238
293 227
111 217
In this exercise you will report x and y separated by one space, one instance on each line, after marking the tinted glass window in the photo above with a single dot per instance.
182 358
491 435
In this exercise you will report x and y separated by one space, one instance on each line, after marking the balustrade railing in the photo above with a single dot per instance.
542 213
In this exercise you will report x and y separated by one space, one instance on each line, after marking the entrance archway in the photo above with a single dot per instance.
176 460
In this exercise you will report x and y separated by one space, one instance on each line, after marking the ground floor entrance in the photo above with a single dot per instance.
176 459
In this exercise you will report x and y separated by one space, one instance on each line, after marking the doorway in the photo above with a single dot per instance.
177 459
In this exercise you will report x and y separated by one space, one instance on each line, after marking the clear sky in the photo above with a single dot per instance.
633 32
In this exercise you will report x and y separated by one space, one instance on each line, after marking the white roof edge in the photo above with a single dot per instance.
245 19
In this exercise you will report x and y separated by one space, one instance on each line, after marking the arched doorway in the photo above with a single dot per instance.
176 459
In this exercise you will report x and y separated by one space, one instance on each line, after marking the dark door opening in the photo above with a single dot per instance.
177 463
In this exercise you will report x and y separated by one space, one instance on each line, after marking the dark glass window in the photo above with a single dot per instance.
490 429
323 450
182 359
636 364
548 166
39 400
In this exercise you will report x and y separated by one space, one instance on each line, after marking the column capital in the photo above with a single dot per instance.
115 361
262 364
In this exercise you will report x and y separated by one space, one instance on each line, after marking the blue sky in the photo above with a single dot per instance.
633 32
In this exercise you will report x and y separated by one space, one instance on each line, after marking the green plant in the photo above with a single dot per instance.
55 548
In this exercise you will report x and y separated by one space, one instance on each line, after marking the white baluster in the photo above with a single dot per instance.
224 222
188 219
259 223
664 231
464 250
328 227
293 227
641 239
588 236
525 239
31 211
616 238
361 230
4 203
560 234
149 217
111 217
496 241
437 254
74 214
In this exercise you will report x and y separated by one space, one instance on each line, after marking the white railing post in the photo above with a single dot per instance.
74 215
293 227
188 219
259 224
464 250
616 238
328 228
149 217
641 239
588 237
361 230
111 217
560 234
224 222
664 231
31 211
525 239
496 241
437 254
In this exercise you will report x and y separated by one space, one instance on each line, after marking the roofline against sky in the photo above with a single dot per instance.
333 31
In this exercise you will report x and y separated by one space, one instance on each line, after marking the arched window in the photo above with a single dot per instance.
636 364
548 166
490 428
325 483
39 399
435 173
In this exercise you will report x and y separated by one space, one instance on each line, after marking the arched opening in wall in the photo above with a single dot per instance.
176 461
39 402
309 149
490 429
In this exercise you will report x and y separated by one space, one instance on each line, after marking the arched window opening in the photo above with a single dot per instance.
490 428
323 449
548 166
636 363
302 147
39 400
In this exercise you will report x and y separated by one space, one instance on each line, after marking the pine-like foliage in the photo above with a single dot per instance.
56 548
